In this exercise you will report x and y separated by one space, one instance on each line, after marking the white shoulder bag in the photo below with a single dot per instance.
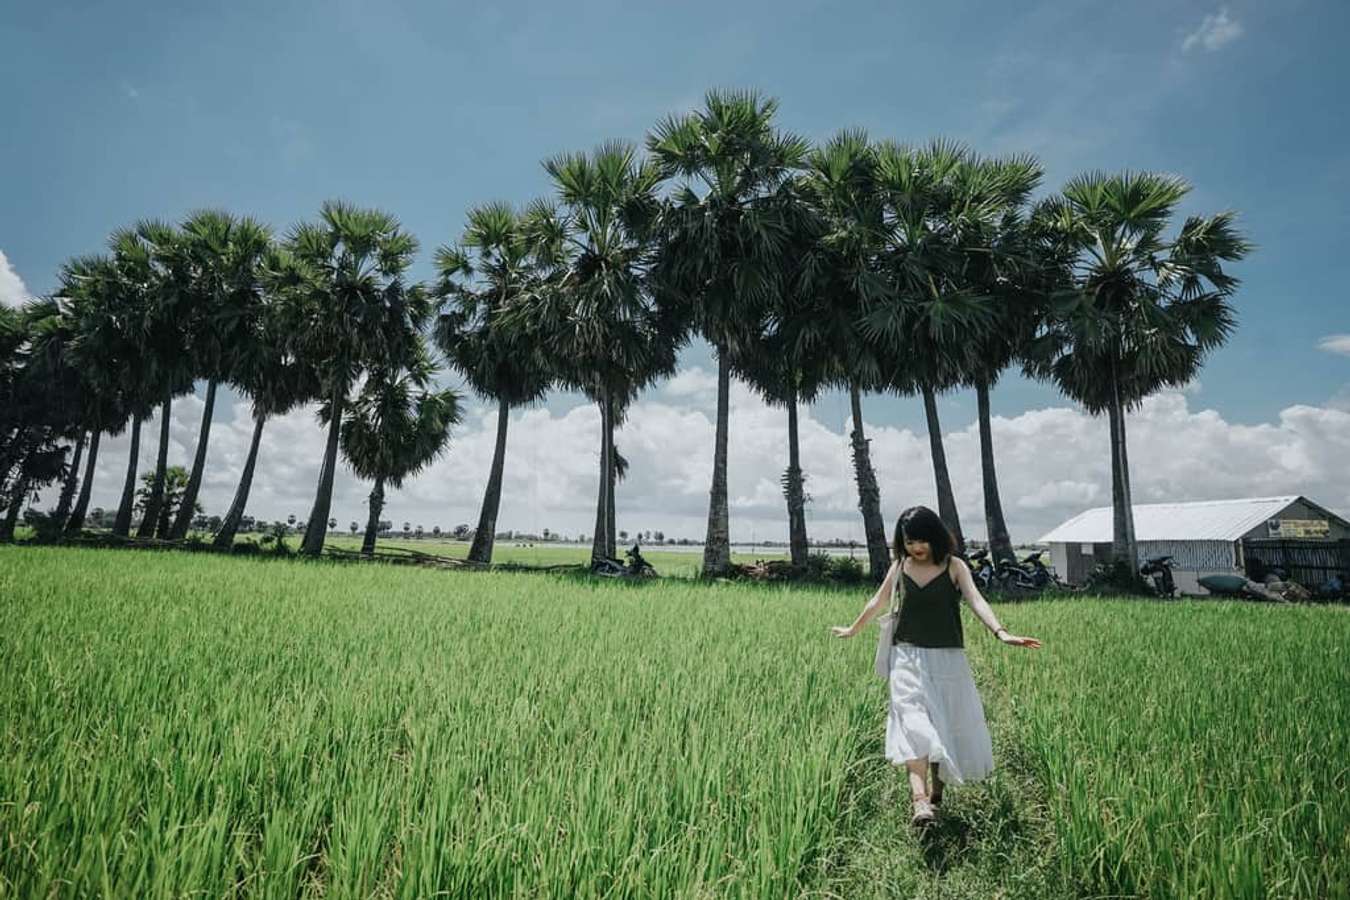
886 624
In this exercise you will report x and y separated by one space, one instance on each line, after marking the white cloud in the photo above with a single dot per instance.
1215 31
1052 463
691 383
1335 343
12 289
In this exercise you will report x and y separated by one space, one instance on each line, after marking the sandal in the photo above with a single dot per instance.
923 811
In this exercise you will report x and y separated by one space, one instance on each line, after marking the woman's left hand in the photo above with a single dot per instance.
1016 641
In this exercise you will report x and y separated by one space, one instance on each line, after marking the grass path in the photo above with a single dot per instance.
992 839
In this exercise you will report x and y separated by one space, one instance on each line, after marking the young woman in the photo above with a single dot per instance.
936 718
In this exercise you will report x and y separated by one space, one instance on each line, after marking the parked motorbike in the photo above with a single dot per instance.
981 569
1011 576
1159 570
635 567
1038 571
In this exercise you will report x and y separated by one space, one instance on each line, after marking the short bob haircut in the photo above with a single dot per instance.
919 523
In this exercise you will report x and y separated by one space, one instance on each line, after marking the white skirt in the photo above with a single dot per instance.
936 712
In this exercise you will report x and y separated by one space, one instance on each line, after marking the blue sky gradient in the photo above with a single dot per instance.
152 109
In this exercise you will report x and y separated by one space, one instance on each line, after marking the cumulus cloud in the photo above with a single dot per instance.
1215 31
1335 343
12 289
1052 464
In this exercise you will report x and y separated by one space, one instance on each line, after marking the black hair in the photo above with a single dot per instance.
919 523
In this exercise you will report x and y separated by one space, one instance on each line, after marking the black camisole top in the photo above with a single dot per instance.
930 616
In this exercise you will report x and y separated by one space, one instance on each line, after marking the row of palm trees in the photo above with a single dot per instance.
867 266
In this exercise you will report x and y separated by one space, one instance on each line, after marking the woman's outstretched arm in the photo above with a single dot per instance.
874 606
981 608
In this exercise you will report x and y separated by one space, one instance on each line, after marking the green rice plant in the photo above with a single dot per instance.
174 723
1192 749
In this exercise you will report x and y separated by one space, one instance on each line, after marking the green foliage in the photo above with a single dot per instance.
847 570
1115 577
175 485
46 527
275 538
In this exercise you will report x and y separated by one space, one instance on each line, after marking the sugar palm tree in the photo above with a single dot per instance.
598 322
495 264
1142 311
73 402
13 336
786 368
124 317
397 427
346 275
45 403
275 380
792 358
223 257
722 244
840 270
929 320
997 259
169 361
103 348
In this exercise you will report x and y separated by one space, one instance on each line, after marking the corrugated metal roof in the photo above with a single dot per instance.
1205 520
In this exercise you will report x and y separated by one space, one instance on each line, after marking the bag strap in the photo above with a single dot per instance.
898 589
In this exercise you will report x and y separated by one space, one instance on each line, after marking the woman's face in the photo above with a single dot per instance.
917 549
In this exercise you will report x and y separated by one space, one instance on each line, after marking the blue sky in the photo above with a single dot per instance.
115 112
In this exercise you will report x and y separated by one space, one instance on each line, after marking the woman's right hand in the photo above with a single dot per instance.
842 631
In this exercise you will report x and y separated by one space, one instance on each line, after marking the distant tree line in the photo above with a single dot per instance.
865 265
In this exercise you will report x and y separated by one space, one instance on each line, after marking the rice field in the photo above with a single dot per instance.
175 724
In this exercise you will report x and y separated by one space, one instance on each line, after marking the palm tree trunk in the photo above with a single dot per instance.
483 538
1130 538
76 520
224 538
946 499
600 542
72 478
869 493
1118 543
122 524
1122 513
17 500
188 508
796 498
317 527
612 530
1000 544
373 523
151 516
717 543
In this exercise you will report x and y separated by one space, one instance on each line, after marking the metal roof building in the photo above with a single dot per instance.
1211 537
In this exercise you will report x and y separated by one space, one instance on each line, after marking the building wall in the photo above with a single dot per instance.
1192 560
1059 560
1300 509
